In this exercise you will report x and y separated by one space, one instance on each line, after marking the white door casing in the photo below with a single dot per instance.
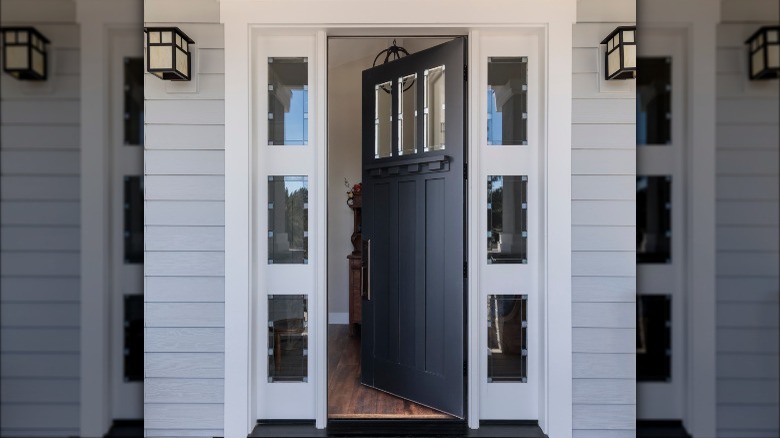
242 21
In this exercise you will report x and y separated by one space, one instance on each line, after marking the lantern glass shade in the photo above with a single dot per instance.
24 53
168 53
764 53
620 57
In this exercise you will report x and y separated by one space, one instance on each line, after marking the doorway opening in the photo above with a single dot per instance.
349 397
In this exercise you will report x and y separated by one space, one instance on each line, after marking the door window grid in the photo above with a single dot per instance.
407 114
383 120
434 108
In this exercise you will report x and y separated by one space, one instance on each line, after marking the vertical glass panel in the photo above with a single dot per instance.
133 338
134 219
653 101
434 109
288 337
407 115
507 101
134 101
507 218
653 219
22 35
167 37
507 338
288 101
383 120
288 219
654 338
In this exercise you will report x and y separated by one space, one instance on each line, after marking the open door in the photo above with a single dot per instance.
414 227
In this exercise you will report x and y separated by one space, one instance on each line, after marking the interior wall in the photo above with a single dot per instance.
347 58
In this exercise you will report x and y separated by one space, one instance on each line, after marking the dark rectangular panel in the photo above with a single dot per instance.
288 219
653 219
507 218
288 348
380 271
134 101
134 338
434 275
407 270
133 219
507 338
654 338
288 101
654 101
507 101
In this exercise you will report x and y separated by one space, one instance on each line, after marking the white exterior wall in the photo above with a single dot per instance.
39 286
603 235
184 233
748 164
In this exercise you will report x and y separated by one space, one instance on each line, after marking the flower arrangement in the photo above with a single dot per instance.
352 191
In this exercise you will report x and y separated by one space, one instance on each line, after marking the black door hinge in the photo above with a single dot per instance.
465 269
465 72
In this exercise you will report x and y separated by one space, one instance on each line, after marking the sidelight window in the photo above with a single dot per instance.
653 219
288 101
434 108
507 322
288 338
653 101
507 219
288 219
507 101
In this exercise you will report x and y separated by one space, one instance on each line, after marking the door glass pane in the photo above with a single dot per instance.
133 310
507 101
653 219
288 101
288 338
507 338
134 219
383 120
407 115
654 338
653 101
134 101
434 109
507 233
288 219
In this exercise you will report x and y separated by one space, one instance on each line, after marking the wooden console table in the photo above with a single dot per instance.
355 266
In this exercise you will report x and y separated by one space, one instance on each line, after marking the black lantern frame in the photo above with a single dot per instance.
24 53
764 53
159 40
621 43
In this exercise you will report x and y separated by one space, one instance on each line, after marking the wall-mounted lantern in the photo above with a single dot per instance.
24 53
620 56
764 53
168 53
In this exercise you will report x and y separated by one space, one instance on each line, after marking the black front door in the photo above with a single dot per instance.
414 227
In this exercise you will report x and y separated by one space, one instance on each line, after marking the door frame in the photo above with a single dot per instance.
242 20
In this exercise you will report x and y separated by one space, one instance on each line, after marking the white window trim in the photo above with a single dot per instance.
239 18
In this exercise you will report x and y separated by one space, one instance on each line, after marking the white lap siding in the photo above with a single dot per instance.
603 244
184 242
747 232
40 245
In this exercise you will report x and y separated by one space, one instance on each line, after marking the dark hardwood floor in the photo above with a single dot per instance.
348 399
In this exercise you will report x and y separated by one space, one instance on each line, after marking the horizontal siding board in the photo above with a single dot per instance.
171 433
595 238
40 213
184 365
183 390
600 433
184 289
39 391
604 416
211 60
184 264
603 162
743 212
38 188
184 162
603 212
62 87
744 391
747 136
40 263
603 340
205 213
36 162
594 86
604 391
746 315
741 238
604 366
38 289
41 314
47 416
196 112
184 187
184 340
603 111
604 315
745 188
748 366
747 111
41 365
15 238
603 136
603 289
747 340
54 112
748 417
599 187
29 137
748 289
184 315
752 162
585 59
743 263
184 238
43 340
603 263
183 416
210 86
184 137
